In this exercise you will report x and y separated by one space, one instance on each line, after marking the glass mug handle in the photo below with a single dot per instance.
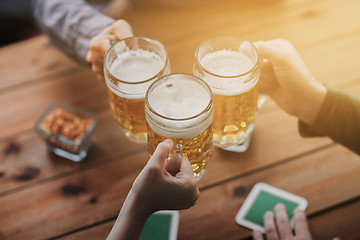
262 96
261 100
174 159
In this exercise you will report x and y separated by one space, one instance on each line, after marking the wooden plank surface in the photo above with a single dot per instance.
26 161
24 63
343 221
47 196
18 114
328 174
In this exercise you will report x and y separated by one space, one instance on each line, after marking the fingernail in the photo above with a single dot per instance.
280 206
297 210
268 213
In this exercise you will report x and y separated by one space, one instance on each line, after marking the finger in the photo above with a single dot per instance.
173 162
283 44
279 42
267 82
98 47
186 167
161 153
257 235
132 43
121 29
99 61
269 225
100 77
97 69
301 225
269 51
282 221
102 41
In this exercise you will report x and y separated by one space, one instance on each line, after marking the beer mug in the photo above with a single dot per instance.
230 65
130 66
180 107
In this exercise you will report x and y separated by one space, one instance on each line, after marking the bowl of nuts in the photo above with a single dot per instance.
66 130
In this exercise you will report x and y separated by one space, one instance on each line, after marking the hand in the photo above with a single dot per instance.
277 225
288 81
157 189
100 43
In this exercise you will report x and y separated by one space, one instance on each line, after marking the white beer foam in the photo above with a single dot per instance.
179 99
229 64
136 65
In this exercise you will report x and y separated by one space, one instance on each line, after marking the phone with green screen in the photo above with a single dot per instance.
162 225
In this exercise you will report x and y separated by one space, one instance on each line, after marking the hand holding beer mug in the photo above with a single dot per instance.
130 66
230 65
180 107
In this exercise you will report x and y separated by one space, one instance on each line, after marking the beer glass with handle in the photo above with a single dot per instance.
180 107
230 65
130 66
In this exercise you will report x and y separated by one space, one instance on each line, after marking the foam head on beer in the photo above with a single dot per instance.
180 107
230 66
129 71
136 65
180 101
228 63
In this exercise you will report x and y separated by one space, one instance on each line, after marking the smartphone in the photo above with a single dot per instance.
161 225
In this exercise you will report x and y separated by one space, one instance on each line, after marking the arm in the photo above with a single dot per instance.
79 30
70 24
322 110
338 118
155 189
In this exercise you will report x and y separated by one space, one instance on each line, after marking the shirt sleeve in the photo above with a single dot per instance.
338 118
70 24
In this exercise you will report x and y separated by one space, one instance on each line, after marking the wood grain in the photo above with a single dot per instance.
46 196
24 63
326 175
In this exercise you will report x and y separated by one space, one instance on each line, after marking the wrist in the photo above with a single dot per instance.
311 103
130 220
135 208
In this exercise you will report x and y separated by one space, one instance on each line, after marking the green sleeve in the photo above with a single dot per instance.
338 118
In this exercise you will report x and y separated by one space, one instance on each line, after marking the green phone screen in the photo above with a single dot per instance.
264 202
157 227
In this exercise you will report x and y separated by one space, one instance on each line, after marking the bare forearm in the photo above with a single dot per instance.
130 221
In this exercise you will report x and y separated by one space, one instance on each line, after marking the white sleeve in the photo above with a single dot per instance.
70 24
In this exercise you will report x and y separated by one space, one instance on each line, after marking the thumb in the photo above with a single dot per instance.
268 51
121 29
277 51
161 153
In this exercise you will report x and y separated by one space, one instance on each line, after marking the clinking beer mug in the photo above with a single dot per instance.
130 66
230 65
180 107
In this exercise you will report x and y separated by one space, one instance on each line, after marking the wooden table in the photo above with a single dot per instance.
43 196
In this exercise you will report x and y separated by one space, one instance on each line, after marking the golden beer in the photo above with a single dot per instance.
130 114
232 117
180 107
198 149
130 66
230 66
